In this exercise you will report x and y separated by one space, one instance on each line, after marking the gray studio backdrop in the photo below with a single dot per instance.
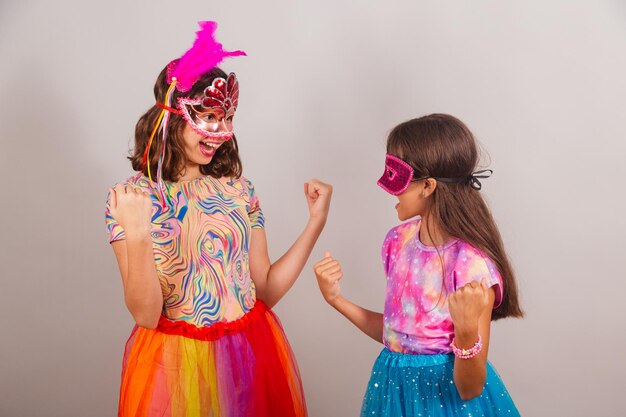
541 83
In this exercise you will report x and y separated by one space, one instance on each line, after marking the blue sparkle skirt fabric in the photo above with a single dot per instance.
405 385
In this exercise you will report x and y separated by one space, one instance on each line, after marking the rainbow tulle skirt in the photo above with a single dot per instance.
423 385
240 368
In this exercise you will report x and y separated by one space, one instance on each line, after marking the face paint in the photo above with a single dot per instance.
397 176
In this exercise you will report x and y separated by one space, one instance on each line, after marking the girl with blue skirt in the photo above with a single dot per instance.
448 277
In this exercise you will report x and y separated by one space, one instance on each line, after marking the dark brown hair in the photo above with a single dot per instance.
225 162
440 145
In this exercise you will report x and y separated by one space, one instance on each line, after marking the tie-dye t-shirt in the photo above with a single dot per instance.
416 317
201 246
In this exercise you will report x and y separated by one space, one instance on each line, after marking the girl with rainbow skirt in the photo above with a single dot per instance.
188 234
448 277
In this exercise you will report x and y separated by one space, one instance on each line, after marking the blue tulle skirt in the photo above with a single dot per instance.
423 386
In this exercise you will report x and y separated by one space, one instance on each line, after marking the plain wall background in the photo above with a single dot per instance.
540 83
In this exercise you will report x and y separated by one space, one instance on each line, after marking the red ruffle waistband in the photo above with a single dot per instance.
214 331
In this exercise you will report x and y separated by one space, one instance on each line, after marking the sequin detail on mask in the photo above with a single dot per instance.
397 176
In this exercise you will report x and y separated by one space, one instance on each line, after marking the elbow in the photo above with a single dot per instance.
145 316
470 392
267 296
147 322
470 384
467 395
268 301
148 325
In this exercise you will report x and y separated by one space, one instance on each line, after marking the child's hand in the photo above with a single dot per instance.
466 306
328 273
131 207
318 196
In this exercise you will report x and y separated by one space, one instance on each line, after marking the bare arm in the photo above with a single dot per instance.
273 280
135 257
328 273
369 322
472 306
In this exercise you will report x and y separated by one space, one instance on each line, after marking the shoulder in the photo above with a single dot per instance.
469 253
398 237
134 180
244 184
472 264
403 231
137 180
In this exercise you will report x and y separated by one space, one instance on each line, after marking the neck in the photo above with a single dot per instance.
191 173
431 234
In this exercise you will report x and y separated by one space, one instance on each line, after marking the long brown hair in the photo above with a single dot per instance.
440 145
225 162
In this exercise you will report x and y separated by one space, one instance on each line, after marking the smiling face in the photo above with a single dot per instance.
201 144
210 118
186 127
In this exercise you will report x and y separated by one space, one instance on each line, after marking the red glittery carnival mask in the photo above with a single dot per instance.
214 109
397 176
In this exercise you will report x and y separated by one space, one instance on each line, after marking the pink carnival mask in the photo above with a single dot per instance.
214 109
397 176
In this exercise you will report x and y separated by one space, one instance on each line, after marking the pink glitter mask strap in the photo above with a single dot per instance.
397 176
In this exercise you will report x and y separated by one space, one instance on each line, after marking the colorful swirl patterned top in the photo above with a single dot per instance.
201 246
416 317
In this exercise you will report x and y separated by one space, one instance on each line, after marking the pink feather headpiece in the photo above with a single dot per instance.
205 54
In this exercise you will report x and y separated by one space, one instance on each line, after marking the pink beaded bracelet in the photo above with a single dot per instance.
467 353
